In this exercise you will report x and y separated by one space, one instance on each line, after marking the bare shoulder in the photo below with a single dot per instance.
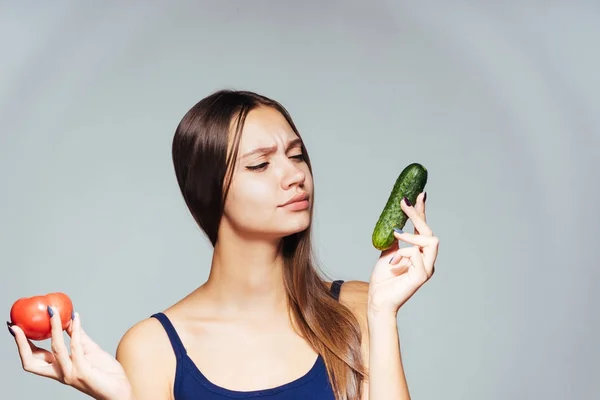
147 357
144 333
355 295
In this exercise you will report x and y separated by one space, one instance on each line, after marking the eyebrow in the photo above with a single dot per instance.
270 149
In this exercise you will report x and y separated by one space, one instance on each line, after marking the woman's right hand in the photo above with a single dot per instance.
88 368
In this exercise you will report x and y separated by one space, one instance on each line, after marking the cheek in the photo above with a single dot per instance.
251 198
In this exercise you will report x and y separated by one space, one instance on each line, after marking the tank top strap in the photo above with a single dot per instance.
174 338
336 287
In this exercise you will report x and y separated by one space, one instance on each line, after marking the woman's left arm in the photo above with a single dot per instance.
397 275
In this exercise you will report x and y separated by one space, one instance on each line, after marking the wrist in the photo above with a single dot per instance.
377 317
383 330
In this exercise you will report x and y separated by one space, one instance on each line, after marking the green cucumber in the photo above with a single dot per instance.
410 183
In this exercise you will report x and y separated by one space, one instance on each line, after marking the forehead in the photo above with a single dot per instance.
265 126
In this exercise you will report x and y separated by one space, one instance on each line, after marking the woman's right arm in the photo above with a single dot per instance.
142 371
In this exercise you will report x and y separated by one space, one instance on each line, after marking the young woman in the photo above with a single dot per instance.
265 324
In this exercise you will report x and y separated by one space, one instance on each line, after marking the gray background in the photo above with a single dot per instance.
498 99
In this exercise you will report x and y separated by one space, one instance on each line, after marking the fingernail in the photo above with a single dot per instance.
424 197
10 329
398 230
73 315
408 203
50 312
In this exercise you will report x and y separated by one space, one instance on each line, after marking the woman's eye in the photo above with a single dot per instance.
298 157
258 167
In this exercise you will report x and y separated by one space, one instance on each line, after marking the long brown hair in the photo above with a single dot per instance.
204 159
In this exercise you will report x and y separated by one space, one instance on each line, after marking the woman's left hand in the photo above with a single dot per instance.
400 272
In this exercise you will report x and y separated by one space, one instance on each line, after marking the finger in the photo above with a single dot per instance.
418 221
59 349
417 240
410 253
429 246
420 205
422 208
23 345
33 359
76 344
397 260
87 344
417 271
399 264
417 206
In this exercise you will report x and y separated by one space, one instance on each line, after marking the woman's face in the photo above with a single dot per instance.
271 189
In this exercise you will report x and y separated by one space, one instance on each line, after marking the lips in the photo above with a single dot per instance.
296 198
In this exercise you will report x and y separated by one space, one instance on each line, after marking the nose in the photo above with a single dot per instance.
292 175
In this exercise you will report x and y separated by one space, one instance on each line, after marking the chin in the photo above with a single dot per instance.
295 225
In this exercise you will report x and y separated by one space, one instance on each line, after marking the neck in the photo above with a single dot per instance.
247 276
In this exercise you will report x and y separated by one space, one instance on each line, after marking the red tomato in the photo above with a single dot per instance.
31 314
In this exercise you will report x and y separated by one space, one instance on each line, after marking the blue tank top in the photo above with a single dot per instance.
191 384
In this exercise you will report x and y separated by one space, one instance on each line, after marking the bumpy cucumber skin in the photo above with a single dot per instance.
410 183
